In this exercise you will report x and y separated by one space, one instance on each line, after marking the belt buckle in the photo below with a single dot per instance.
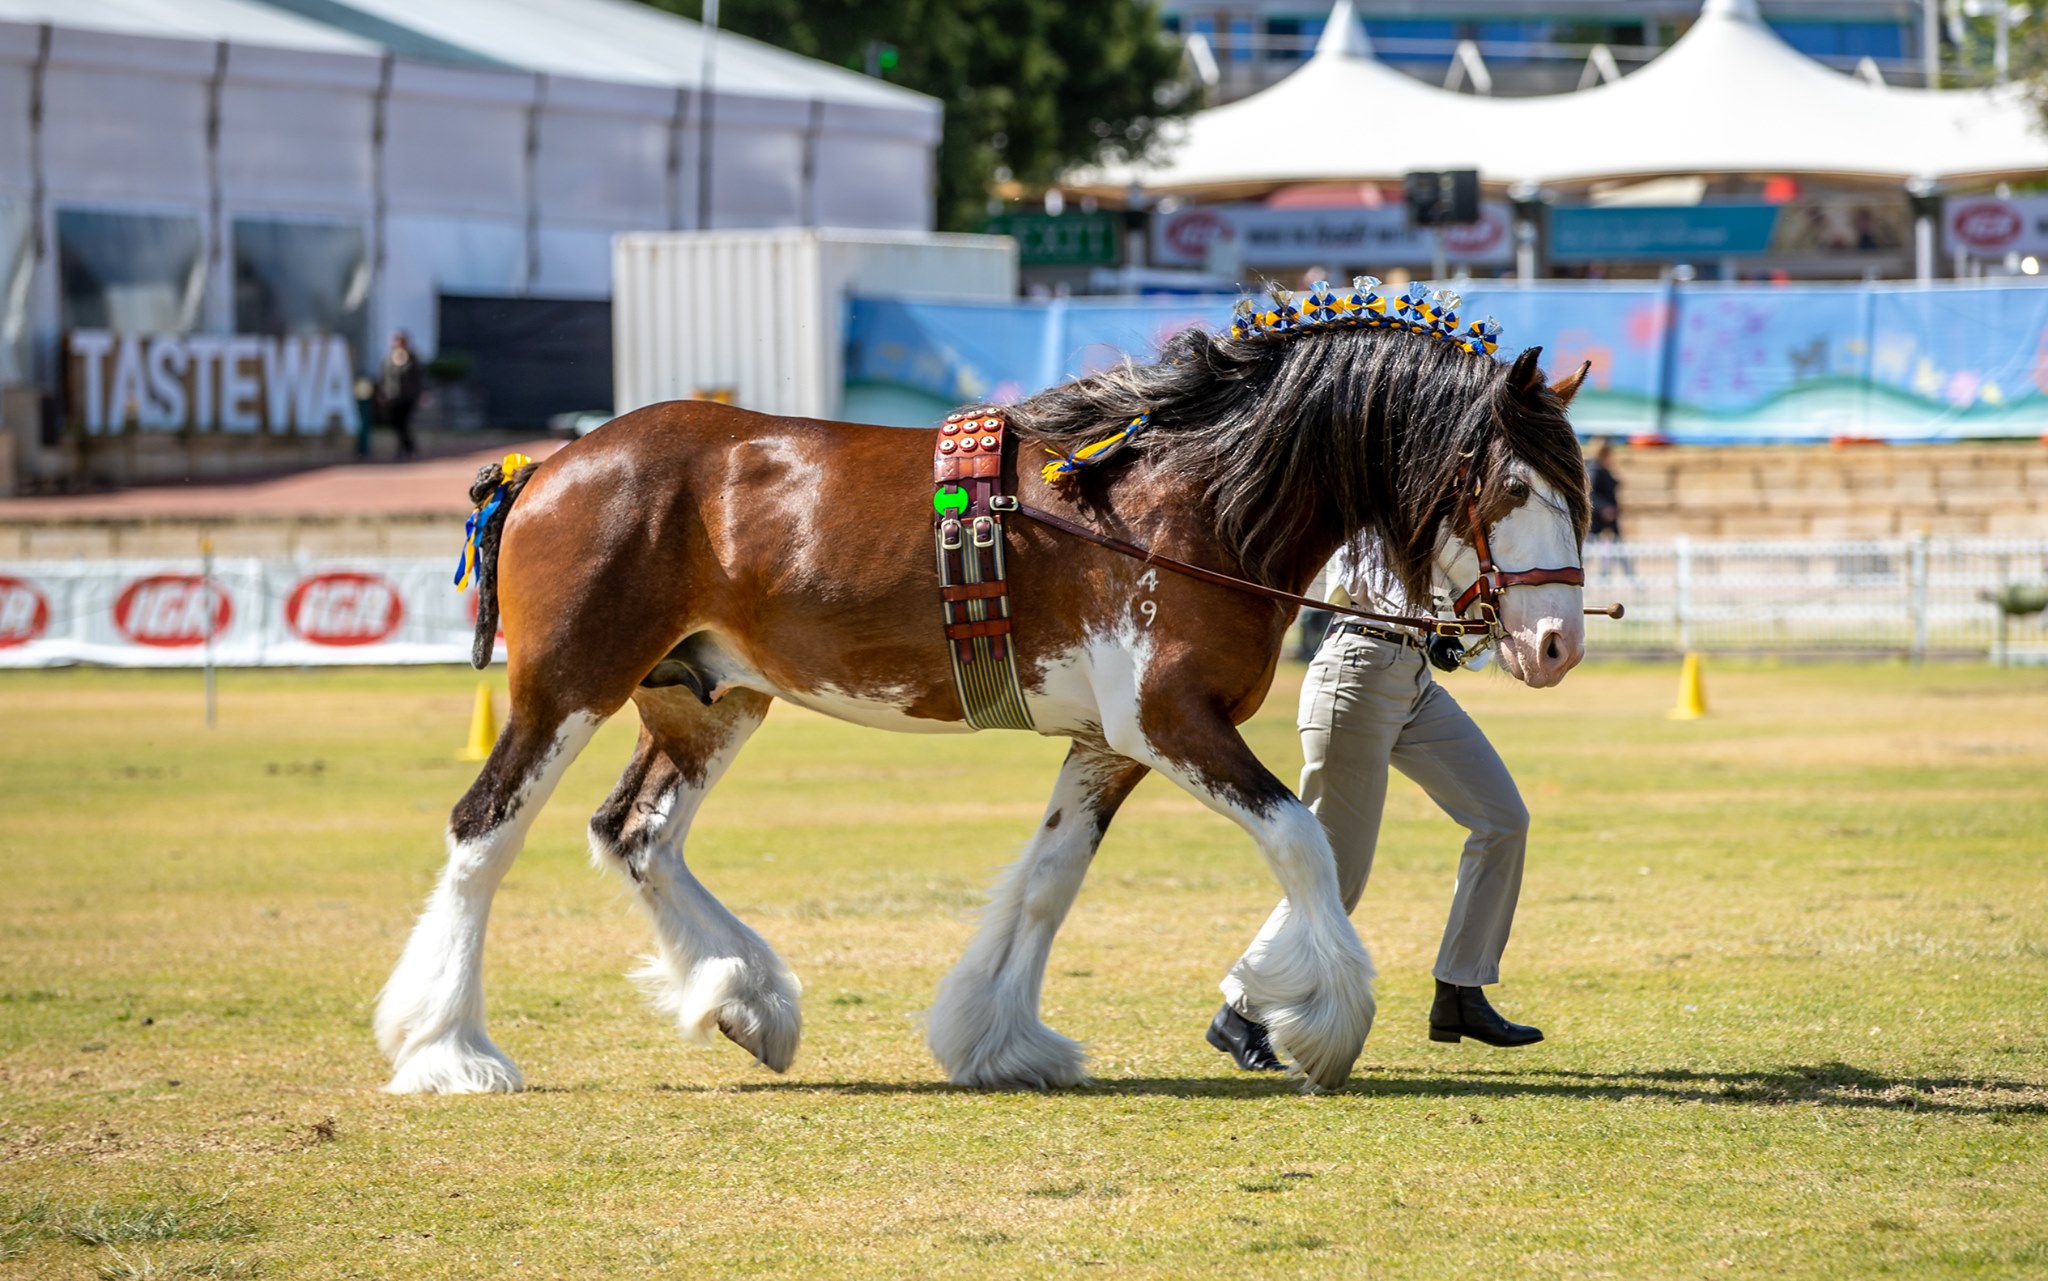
949 535
984 532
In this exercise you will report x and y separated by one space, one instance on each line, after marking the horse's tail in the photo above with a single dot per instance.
493 492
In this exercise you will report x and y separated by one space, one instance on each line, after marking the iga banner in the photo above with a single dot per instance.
254 613
1341 240
1990 227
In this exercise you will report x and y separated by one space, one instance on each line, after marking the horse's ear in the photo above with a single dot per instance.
1527 374
1568 386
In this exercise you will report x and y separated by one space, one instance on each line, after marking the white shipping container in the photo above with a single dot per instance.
760 316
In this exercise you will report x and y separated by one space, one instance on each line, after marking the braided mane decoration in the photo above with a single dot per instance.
1419 309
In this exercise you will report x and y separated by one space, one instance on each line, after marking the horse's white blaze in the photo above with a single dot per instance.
430 1016
984 1027
1537 534
711 972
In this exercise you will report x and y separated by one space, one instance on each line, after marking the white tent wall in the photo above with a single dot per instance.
295 132
507 177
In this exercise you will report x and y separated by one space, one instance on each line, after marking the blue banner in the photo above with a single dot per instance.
1699 362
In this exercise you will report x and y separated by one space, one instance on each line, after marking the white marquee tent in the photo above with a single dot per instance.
1727 97
204 158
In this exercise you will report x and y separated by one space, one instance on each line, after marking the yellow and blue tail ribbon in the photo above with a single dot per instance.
480 519
1065 465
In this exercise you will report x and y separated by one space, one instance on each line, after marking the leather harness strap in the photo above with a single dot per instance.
967 532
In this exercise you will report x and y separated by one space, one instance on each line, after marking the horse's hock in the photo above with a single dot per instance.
1729 492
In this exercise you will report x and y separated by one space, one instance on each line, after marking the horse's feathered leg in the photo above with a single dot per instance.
984 1026
430 1017
711 972
1311 983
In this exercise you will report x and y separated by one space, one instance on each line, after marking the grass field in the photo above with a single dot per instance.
1792 959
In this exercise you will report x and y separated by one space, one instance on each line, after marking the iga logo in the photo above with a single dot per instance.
171 611
1987 224
1476 239
24 612
1191 233
344 608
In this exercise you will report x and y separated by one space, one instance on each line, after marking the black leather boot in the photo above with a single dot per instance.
1460 1012
1244 1041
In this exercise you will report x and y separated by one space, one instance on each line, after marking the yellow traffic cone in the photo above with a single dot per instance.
1692 696
483 726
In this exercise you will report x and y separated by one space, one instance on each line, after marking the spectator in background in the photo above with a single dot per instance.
398 391
1604 487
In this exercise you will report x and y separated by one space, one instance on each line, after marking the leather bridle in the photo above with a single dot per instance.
1487 589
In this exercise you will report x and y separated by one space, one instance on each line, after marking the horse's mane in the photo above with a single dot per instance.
1375 420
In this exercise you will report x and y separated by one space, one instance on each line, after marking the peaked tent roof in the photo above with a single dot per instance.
1732 97
1728 97
1343 114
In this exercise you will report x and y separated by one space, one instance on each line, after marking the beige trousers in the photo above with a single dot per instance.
1368 704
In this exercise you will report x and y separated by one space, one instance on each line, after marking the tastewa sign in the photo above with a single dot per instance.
1256 236
300 385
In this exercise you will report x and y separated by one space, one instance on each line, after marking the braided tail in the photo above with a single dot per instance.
495 489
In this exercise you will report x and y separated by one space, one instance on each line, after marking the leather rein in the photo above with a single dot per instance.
1486 590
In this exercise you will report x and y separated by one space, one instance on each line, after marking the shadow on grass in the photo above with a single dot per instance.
1833 1084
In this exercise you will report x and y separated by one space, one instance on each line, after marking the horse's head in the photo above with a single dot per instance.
1509 545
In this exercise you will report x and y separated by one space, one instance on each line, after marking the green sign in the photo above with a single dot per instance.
1061 240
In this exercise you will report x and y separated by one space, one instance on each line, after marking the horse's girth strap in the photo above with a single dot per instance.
968 535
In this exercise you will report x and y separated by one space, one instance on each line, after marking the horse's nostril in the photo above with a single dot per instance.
1551 650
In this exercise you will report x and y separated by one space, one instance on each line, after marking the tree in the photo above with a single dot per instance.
1031 87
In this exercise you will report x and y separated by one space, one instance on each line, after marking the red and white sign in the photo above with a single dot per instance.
24 612
344 608
1344 241
172 611
1988 227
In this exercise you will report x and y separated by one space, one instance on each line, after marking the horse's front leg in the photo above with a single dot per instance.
1309 980
984 1026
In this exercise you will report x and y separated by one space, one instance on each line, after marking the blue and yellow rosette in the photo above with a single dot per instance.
480 519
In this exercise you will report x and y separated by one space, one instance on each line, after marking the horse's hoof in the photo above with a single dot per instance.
456 1065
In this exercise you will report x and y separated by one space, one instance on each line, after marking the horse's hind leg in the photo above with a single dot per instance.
430 1017
984 1027
711 970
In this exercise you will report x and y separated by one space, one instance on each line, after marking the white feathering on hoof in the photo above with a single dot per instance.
755 1004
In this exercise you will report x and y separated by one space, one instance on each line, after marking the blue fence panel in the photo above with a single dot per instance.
1702 362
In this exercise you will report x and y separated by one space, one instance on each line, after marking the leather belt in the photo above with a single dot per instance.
1376 633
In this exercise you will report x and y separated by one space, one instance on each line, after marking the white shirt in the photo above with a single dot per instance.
1359 576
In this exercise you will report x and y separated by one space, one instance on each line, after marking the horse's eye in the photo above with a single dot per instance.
1517 488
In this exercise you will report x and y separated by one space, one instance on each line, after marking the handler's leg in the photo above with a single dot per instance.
1358 694
984 1026
1447 755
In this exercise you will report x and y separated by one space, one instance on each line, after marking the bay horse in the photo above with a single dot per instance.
701 561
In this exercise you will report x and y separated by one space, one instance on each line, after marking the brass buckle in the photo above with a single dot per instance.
1002 503
949 535
984 532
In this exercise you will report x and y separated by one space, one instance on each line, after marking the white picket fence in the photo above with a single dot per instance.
1911 596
